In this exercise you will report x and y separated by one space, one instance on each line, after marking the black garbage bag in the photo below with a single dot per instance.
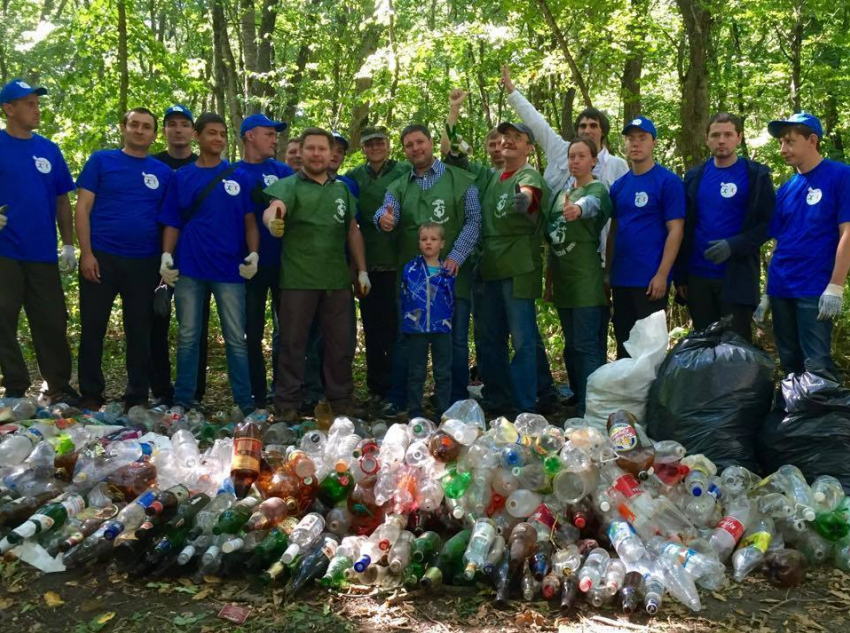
809 427
711 395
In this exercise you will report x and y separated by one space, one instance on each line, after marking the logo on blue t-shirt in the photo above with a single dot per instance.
728 189
641 198
813 197
232 187
151 181
269 179
339 216
42 164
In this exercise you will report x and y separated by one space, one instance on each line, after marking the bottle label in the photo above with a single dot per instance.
34 435
246 454
618 532
733 526
42 522
682 554
329 551
623 436
543 515
759 540
627 486
74 505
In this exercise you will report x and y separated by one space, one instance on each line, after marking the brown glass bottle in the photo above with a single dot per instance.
133 479
247 452
632 456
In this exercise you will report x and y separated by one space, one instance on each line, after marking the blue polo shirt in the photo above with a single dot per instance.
809 208
212 243
128 194
721 206
262 175
33 173
642 206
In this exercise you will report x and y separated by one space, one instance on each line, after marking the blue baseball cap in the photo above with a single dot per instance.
641 123
18 89
798 118
181 110
339 138
260 120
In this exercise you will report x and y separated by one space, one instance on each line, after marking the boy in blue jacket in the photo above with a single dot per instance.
427 304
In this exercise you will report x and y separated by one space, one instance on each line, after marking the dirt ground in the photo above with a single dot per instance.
101 600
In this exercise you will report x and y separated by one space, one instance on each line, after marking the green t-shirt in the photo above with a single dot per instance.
575 266
512 241
315 232
380 246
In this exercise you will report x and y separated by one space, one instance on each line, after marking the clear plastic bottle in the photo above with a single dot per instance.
701 470
827 492
730 529
753 548
615 574
625 541
483 535
305 533
593 570
803 496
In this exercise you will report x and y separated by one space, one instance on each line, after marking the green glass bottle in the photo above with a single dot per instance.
454 483
448 562
271 547
412 575
337 485
552 464
832 525
51 516
335 575
231 520
187 510
426 547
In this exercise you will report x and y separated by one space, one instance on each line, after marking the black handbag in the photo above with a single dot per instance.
162 300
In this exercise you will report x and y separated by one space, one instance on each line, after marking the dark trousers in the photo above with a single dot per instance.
630 306
37 288
441 361
266 282
706 305
298 308
160 373
378 310
800 336
134 280
583 353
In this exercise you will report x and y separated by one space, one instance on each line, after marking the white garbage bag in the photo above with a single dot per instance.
624 384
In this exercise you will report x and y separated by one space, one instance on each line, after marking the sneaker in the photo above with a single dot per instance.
288 414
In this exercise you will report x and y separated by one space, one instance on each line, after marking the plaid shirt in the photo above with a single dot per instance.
471 231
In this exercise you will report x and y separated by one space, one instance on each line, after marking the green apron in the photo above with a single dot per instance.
380 246
316 229
575 266
512 241
442 203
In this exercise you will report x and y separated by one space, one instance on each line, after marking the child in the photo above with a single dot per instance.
427 304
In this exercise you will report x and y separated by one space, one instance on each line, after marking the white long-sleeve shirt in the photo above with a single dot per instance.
557 174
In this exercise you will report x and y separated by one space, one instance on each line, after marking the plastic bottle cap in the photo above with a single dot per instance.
820 497
290 553
585 585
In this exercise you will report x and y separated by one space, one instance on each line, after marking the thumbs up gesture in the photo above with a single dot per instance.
387 221
571 211
273 217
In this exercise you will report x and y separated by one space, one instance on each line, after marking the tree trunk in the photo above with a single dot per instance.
796 43
123 73
568 131
565 49
226 68
693 109
368 46
633 67
264 88
248 28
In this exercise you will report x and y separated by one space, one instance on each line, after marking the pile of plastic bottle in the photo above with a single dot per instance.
530 508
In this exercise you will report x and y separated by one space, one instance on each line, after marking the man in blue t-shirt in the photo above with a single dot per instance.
34 186
811 225
646 231
178 130
259 170
729 202
208 210
119 194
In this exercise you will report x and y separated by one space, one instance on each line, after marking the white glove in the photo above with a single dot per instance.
68 259
363 281
249 268
831 302
760 315
167 270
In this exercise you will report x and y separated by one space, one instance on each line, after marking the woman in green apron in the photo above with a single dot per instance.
575 276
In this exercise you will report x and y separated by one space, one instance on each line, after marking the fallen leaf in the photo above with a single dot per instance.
718 596
6 603
53 599
72 583
202 594
212 580
186 582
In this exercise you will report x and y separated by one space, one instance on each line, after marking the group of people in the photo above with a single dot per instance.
427 246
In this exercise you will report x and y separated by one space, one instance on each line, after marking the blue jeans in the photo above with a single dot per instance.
582 352
230 302
800 337
460 350
441 361
503 316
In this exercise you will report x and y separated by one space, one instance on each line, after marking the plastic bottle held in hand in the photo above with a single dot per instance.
625 542
827 492
247 453
731 528
306 532
785 567
753 548
48 517
591 573
702 469
632 455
